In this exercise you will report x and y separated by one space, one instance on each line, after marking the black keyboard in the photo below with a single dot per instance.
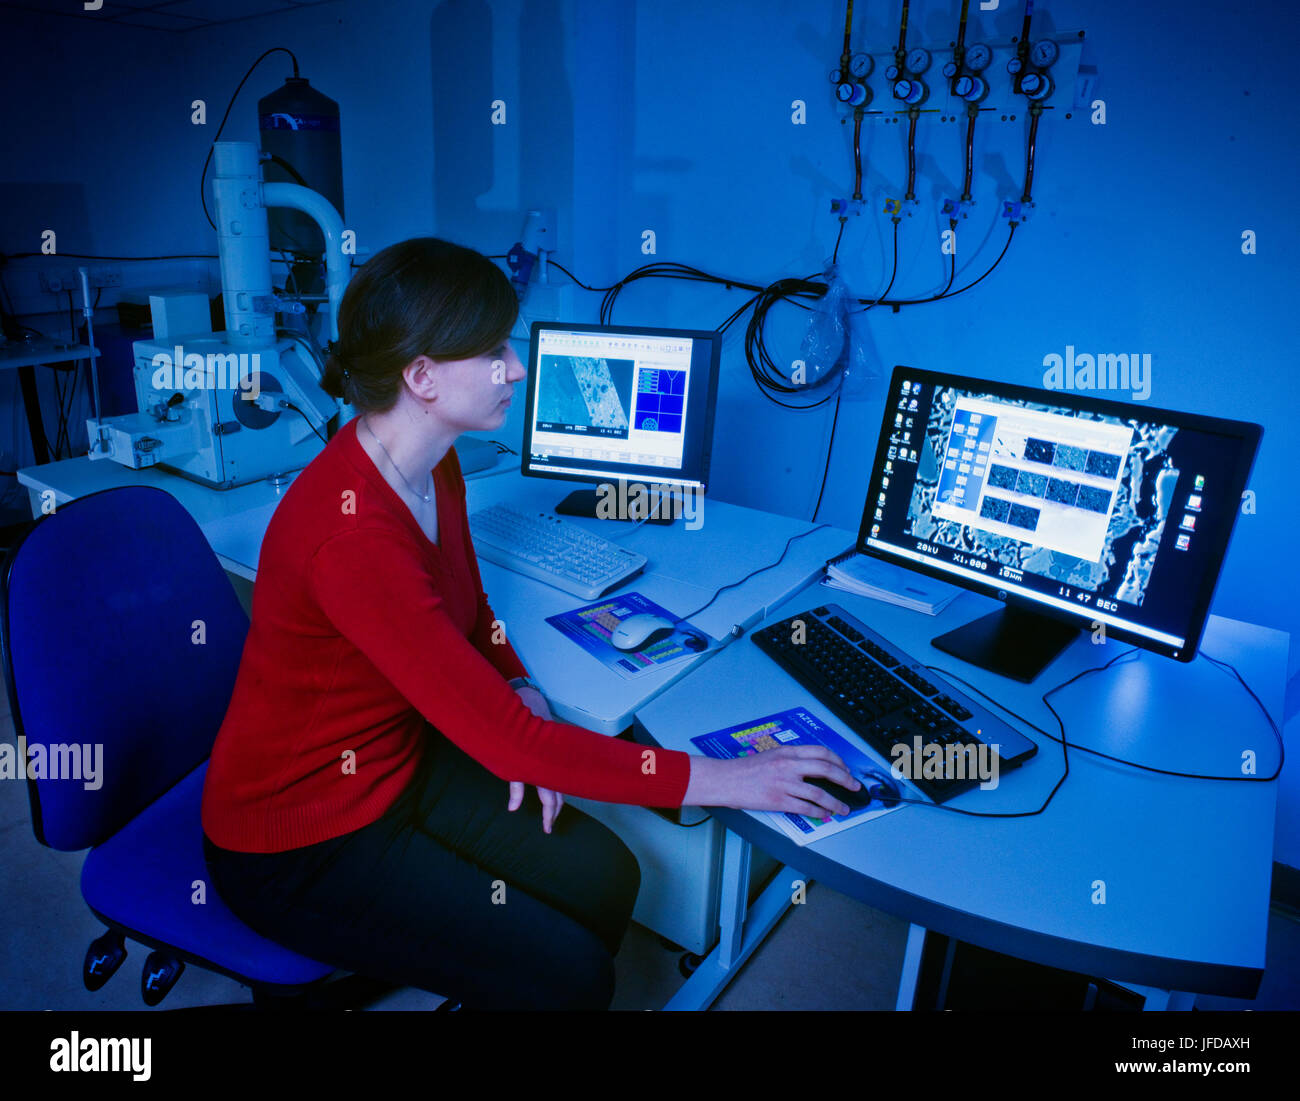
887 697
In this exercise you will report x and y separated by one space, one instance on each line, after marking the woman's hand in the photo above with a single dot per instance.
773 780
552 801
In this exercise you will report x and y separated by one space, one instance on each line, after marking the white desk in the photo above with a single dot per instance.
1186 863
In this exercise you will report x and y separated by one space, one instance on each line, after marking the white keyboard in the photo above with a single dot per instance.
544 547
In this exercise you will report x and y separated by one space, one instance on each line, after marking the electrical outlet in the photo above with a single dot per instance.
549 302
56 282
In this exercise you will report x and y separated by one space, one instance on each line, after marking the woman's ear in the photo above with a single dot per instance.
422 376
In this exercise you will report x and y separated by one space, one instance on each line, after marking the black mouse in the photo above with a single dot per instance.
694 642
855 800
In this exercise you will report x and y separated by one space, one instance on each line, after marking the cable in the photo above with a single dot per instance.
293 334
557 264
1035 113
839 392
276 159
972 113
203 198
290 405
1124 656
718 592
830 449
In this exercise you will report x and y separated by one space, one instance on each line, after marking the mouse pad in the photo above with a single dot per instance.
591 626
800 727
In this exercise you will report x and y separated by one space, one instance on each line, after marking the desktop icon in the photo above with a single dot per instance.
1200 481
1194 502
1189 522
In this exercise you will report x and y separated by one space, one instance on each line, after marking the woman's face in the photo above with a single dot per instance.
474 394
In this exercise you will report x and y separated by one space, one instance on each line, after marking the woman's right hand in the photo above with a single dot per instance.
772 780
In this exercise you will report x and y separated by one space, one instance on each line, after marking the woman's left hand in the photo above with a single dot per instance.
552 801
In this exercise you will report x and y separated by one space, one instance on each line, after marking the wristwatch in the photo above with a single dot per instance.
520 682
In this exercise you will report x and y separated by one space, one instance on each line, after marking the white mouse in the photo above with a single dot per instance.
640 630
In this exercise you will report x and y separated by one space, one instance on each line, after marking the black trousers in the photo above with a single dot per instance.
451 893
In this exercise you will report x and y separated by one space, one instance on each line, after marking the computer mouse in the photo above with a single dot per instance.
854 800
640 630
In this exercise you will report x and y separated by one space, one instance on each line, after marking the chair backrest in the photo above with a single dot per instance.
120 635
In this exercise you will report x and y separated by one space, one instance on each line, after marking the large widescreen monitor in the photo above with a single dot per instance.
1074 510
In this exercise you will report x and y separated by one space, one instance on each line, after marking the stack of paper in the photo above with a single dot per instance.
865 576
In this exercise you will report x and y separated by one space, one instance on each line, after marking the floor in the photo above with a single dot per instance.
830 953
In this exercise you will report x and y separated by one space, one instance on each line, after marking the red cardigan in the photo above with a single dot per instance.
361 630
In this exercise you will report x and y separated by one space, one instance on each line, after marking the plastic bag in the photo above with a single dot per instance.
829 352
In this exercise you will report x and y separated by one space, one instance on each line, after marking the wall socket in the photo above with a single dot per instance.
58 281
548 302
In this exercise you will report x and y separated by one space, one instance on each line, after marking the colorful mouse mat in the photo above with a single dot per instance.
592 625
800 727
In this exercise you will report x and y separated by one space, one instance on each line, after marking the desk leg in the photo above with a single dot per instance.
911 968
32 403
741 928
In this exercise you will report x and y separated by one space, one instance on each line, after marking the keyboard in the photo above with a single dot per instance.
887 697
548 549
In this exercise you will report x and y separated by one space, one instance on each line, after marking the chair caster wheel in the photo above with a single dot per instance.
158 977
688 964
104 956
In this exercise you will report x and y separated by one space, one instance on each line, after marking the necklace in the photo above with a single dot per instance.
425 497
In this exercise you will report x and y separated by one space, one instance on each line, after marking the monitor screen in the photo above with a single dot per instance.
610 402
1085 509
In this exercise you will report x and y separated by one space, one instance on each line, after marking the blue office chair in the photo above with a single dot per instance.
118 626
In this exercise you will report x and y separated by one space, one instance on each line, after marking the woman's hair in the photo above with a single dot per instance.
419 297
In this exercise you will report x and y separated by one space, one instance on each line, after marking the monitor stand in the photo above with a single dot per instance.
1011 641
591 504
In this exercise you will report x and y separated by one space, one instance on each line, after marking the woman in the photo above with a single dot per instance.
358 803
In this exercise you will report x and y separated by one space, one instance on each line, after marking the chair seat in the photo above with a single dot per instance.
143 879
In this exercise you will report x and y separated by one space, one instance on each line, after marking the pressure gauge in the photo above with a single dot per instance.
1044 53
860 65
891 73
1036 85
950 69
1014 66
918 60
861 95
978 57
909 91
836 76
970 88
844 92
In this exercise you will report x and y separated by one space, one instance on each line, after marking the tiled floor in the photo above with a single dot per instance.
830 953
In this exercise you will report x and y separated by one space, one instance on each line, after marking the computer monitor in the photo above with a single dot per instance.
613 403
1077 512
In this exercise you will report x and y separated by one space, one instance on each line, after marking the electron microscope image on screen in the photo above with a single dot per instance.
1074 497
582 393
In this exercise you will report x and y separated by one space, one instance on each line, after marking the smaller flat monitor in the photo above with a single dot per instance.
1076 511
610 403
